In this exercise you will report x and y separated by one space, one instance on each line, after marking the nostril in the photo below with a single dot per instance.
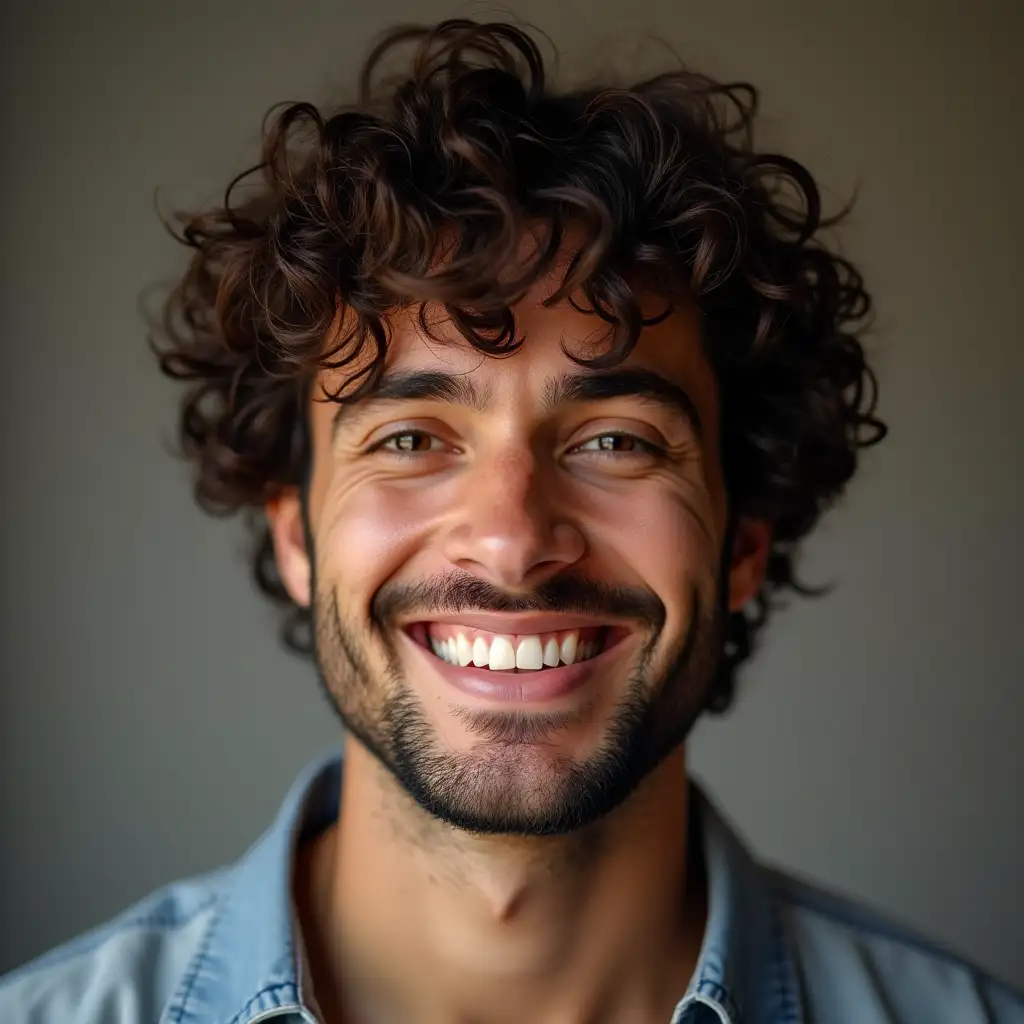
512 547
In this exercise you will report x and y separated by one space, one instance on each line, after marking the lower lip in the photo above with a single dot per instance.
515 687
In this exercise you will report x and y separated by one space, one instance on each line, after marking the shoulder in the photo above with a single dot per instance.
122 972
856 965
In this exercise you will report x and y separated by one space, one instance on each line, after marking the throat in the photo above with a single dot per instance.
424 922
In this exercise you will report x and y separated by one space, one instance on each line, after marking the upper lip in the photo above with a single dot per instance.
517 623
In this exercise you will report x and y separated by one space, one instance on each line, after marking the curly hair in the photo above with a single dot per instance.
455 154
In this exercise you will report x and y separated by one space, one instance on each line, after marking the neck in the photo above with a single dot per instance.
408 919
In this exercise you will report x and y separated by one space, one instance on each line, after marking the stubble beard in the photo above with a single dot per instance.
514 781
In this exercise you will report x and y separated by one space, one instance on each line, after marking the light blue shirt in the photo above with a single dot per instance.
222 949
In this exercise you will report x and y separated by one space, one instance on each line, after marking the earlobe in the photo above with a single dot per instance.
751 546
284 515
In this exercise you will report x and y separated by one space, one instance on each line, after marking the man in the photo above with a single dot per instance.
533 395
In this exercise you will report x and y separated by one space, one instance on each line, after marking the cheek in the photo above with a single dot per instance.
669 542
369 531
664 534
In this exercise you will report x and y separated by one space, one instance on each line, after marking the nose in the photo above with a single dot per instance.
507 530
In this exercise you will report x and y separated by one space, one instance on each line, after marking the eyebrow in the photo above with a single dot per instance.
412 385
602 385
591 386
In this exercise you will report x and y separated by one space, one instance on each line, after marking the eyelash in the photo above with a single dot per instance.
383 443
646 447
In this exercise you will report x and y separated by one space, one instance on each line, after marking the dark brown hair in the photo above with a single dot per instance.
454 156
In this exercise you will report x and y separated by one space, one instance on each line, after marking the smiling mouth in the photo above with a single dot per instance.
467 647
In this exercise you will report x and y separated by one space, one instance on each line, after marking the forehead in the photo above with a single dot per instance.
549 337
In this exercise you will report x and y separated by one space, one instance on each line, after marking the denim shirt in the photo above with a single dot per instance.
224 949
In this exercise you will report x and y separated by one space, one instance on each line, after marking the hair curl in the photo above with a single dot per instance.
660 180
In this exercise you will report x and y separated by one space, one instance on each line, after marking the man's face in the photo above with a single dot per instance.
517 566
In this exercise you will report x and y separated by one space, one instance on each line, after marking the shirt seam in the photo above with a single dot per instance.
900 935
864 921
89 944
720 995
787 985
295 1007
189 980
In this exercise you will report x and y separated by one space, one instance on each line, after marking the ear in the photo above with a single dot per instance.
284 513
751 545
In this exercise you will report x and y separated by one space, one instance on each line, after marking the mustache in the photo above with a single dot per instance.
457 592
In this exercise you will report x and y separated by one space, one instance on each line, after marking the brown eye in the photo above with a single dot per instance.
411 442
618 444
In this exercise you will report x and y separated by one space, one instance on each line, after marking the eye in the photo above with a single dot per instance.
619 443
410 442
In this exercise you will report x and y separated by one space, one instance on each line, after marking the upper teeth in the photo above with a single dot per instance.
508 652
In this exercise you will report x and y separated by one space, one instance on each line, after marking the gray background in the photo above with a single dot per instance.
149 722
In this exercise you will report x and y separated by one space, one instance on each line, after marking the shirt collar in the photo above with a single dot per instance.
249 967
745 973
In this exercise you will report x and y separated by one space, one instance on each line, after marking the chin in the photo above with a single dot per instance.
522 773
